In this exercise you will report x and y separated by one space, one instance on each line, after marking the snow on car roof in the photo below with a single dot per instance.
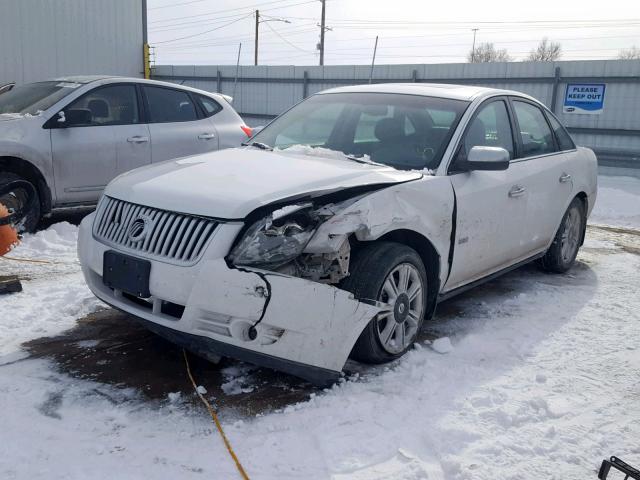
442 90
83 78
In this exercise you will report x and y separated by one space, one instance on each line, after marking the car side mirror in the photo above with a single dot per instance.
486 158
72 117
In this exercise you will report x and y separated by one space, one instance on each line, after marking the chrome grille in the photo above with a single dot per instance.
152 232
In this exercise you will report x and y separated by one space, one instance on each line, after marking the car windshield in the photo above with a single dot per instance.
402 131
33 98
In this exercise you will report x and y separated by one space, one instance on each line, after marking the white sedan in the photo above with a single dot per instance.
342 224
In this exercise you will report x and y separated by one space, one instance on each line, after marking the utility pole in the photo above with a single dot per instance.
255 57
235 80
259 20
473 48
322 29
373 60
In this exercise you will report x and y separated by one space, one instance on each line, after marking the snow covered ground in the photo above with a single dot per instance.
533 376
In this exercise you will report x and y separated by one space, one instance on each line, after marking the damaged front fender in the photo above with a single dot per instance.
424 206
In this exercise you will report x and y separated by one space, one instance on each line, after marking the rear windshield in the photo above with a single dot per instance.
402 131
34 98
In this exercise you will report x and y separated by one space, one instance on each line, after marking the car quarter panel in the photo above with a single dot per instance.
25 139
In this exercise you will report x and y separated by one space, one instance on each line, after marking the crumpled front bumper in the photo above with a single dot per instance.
301 327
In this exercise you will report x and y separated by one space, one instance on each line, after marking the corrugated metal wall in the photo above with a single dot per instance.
264 91
41 39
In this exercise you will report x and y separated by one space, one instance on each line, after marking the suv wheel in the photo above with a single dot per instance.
16 199
392 274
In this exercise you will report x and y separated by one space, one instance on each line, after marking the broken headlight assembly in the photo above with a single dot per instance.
272 242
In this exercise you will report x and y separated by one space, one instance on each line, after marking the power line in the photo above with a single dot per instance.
202 33
177 4
287 41
231 40
245 8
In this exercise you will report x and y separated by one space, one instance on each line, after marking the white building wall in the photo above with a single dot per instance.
41 39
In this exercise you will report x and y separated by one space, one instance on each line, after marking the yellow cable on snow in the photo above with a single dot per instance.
214 415
30 260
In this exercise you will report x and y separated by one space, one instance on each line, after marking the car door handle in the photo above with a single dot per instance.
138 139
206 136
564 178
517 191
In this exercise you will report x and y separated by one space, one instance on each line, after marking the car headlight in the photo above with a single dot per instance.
271 243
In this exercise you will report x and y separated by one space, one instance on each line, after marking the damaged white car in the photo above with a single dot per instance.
341 225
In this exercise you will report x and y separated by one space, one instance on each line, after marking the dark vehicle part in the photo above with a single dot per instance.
6 87
21 198
393 274
10 284
617 464
564 248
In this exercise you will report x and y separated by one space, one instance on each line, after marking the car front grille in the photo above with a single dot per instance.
151 232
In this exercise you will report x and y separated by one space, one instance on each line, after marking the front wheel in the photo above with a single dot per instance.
564 249
394 275
20 200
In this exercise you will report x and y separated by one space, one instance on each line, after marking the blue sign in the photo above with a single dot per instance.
584 98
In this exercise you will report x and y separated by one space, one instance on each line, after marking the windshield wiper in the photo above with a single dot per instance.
261 146
363 159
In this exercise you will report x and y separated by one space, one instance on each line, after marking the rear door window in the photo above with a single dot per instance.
209 105
167 105
535 135
564 140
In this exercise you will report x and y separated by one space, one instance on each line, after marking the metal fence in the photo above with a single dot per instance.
262 92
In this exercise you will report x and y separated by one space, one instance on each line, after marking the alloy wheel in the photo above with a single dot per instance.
402 292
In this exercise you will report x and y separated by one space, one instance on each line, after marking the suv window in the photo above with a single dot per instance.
209 105
168 105
110 105
535 134
564 140
490 128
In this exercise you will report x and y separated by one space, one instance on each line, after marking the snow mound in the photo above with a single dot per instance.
58 242
54 294
442 345
618 202
403 466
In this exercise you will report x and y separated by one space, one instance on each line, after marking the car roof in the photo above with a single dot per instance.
85 79
81 78
441 90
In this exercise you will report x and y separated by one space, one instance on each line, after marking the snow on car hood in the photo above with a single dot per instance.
5 117
232 183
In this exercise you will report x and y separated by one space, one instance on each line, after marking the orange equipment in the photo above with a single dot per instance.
8 234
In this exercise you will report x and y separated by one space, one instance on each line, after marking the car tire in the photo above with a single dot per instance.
563 250
375 271
14 200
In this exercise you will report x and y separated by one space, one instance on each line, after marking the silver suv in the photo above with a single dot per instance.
71 136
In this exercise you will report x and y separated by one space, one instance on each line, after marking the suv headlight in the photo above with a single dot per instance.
272 243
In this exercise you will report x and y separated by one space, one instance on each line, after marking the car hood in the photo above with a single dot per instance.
13 126
230 184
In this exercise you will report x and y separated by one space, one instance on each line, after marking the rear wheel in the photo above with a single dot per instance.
394 275
564 248
19 198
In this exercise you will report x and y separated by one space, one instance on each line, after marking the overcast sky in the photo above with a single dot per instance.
410 31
